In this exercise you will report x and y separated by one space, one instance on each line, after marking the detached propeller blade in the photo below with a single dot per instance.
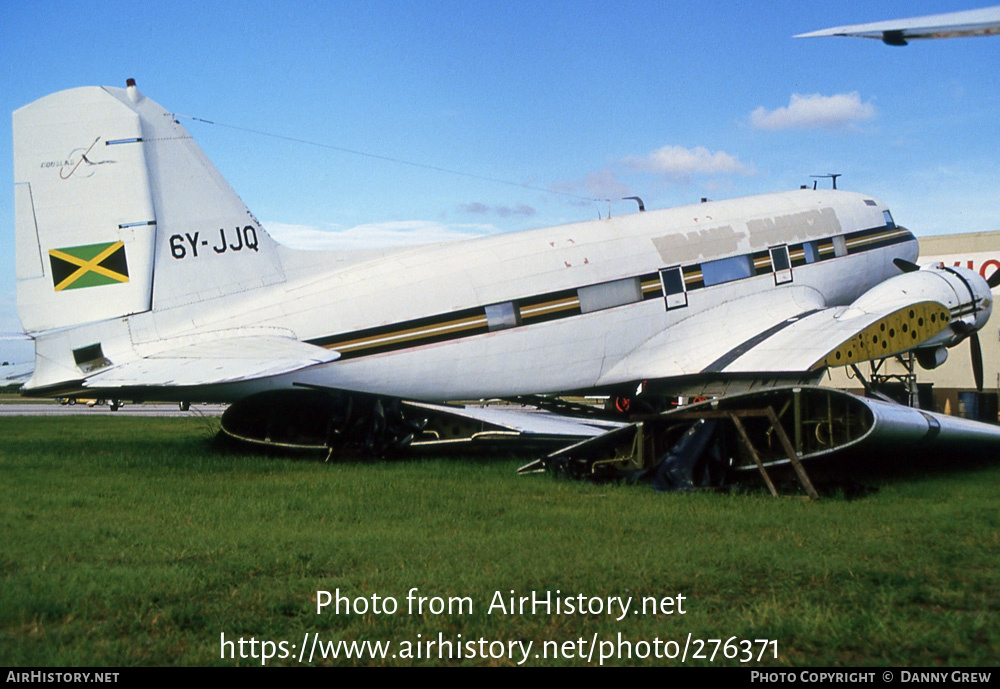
977 360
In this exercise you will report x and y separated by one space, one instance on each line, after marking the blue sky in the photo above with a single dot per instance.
670 101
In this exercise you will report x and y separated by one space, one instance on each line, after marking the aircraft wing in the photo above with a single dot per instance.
691 447
15 375
693 345
983 22
841 336
793 332
526 421
223 359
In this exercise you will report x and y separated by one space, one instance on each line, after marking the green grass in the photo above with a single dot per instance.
131 541
10 395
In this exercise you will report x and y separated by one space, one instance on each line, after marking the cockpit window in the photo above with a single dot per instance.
889 222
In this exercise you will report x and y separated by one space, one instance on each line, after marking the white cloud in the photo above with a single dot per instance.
503 211
603 184
682 163
374 235
521 209
814 111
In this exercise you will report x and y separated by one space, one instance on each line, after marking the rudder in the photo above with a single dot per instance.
83 211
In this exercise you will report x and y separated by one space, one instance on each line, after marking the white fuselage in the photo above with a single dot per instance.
142 274
572 307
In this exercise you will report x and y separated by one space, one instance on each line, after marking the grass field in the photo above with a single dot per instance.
9 395
132 541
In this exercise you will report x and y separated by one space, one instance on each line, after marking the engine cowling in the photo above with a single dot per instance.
963 292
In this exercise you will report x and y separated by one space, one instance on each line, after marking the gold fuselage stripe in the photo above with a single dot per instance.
410 334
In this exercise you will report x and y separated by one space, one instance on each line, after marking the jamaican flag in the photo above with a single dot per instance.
90 265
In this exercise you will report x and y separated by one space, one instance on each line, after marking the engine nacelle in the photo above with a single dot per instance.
930 358
963 292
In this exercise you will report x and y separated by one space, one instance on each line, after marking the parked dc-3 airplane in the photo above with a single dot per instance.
141 274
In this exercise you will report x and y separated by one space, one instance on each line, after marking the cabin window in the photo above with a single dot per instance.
811 251
889 222
782 266
839 245
727 270
674 289
610 294
502 316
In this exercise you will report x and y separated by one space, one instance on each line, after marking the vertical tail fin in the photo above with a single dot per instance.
118 211
83 210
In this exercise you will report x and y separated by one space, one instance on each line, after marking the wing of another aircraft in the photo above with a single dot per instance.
983 22
225 358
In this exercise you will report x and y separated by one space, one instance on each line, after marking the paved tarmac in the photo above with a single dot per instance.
148 409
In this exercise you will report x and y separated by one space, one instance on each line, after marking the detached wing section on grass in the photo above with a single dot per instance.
451 425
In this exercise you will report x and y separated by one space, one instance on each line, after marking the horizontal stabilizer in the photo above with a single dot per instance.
222 360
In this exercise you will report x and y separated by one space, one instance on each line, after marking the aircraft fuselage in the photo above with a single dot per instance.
142 274
573 307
